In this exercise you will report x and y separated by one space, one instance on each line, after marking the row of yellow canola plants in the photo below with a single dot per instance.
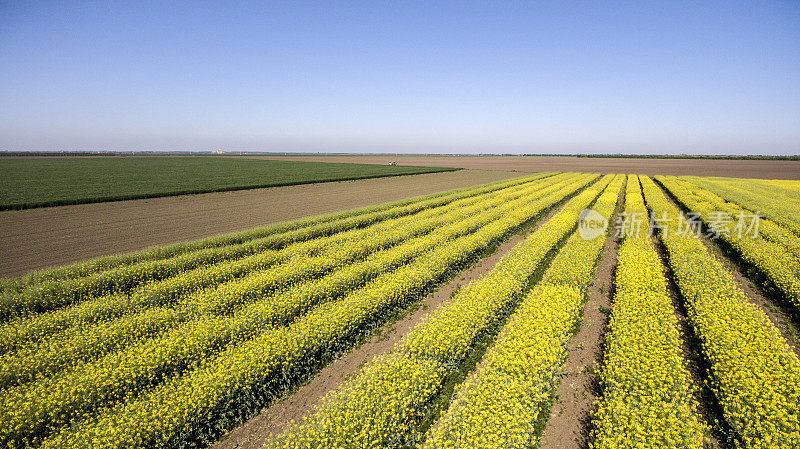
790 188
771 252
505 401
754 374
224 367
647 396
386 401
54 293
781 205
85 342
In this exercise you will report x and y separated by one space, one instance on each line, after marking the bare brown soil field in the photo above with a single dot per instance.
38 238
698 167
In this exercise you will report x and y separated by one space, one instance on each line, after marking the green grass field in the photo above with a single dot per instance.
49 181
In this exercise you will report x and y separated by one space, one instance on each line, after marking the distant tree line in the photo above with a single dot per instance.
753 157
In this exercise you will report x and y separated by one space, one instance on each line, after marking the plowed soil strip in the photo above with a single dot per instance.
278 416
37 238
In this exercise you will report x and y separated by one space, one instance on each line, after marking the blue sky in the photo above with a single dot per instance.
454 77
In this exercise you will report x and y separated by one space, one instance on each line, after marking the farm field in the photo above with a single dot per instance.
27 182
767 169
457 319
49 236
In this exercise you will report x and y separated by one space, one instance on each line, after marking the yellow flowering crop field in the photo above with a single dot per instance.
174 346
